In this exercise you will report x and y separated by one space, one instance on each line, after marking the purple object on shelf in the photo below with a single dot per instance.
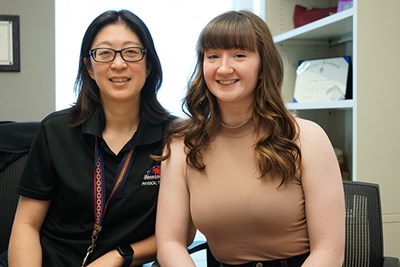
344 4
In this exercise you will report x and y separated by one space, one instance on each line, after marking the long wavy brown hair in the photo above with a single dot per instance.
277 150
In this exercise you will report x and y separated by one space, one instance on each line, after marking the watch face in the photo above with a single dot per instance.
125 249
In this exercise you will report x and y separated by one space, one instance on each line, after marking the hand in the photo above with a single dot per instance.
110 259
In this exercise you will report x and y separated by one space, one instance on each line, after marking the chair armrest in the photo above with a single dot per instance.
197 246
391 262
203 245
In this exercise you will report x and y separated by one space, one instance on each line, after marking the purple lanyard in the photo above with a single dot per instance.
99 194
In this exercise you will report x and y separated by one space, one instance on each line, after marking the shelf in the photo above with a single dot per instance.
341 104
331 36
328 28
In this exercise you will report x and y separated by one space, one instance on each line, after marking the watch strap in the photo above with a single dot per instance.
126 251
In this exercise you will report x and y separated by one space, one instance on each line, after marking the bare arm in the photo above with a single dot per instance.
145 251
324 197
174 228
25 248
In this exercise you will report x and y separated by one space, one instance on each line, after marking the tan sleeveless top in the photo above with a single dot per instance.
243 217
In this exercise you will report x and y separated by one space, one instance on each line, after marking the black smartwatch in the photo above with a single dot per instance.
126 251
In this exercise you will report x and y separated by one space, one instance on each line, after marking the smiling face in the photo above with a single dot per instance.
232 75
118 80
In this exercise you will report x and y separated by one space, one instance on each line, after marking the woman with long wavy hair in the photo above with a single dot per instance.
261 184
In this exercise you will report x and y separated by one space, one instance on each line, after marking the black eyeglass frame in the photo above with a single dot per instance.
93 51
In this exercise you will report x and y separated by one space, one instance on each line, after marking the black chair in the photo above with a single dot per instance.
15 141
364 233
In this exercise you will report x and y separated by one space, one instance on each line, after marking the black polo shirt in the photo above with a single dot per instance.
60 168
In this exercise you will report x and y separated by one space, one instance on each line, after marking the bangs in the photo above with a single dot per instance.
228 32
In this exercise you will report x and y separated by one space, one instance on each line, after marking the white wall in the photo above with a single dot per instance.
174 24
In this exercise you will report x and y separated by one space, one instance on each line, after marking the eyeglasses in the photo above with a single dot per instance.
129 54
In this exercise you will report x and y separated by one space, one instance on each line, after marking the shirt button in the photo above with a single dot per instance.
259 264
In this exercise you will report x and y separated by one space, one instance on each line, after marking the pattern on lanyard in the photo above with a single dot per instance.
99 193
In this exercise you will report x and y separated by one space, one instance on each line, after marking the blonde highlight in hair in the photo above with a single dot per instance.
276 150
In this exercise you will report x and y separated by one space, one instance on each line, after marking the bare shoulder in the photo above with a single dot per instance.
177 143
316 150
177 148
307 125
310 131
174 166
313 139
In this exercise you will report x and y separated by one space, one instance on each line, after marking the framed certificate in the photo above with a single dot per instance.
9 43
321 80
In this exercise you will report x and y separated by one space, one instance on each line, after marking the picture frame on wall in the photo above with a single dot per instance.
9 43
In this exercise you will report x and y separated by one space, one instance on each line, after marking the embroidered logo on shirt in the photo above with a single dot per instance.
152 176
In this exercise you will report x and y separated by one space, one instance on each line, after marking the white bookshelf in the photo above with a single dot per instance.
331 36
366 127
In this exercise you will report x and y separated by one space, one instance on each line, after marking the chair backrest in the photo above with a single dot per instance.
9 179
15 141
364 234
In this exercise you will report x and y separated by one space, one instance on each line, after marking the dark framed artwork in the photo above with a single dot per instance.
9 43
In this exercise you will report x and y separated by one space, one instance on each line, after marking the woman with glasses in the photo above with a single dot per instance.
261 184
88 193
